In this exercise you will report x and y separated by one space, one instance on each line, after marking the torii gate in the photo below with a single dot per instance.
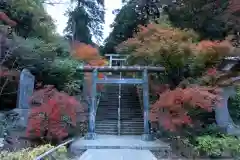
142 81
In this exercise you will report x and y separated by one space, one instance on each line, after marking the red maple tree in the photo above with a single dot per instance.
171 109
52 115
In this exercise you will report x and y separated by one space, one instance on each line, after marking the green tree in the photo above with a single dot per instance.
132 14
31 18
124 26
86 20
206 17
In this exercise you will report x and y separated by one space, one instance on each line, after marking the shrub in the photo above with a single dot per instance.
31 153
218 146
171 109
53 115
63 74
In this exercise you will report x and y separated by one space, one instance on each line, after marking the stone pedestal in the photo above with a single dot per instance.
147 137
23 117
90 136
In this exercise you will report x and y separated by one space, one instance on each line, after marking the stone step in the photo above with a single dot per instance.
115 99
114 108
115 102
133 118
132 121
106 132
131 133
130 117
106 126
122 105
105 129
138 125
118 142
115 112
123 131
103 112
109 124
105 118
115 118
123 128
127 117
108 121
135 121
109 105
116 93
131 129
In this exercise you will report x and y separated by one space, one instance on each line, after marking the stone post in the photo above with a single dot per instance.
25 91
146 136
92 107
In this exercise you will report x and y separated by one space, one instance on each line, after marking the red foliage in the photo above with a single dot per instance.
52 114
6 19
171 109
211 71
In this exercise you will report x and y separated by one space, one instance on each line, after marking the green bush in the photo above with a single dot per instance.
31 153
215 146
63 74
49 62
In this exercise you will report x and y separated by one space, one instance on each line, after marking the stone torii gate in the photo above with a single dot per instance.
142 81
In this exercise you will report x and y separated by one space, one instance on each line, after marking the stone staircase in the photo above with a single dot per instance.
131 118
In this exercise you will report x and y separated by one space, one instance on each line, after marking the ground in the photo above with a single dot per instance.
120 148
117 154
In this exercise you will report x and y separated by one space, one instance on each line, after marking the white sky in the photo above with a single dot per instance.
57 12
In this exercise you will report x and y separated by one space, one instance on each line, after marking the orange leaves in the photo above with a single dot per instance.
88 54
160 44
168 46
98 62
91 56
171 107
84 52
215 48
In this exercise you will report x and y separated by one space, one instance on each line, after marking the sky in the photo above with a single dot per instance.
57 12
